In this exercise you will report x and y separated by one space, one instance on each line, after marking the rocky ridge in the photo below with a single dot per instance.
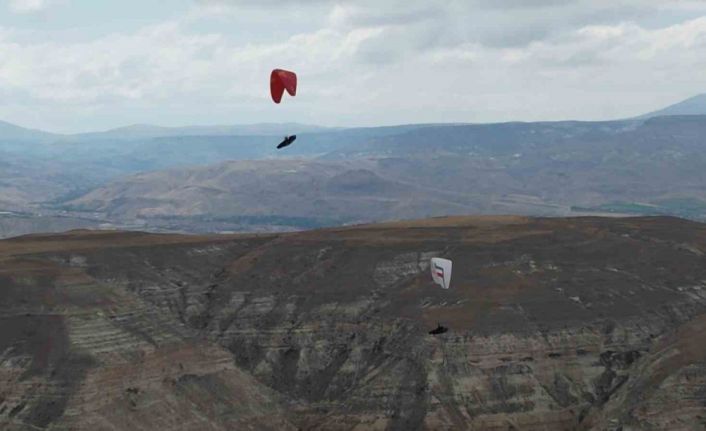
582 323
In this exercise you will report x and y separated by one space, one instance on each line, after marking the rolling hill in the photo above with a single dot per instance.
308 192
193 179
11 132
653 166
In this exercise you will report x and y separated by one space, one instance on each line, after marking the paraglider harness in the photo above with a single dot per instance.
287 141
438 330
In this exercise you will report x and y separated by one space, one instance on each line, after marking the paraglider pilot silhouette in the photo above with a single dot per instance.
287 141
281 80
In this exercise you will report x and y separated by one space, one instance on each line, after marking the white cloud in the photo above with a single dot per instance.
28 6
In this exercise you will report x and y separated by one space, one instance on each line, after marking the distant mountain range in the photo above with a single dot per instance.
652 166
207 179
11 132
145 131
695 105
692 106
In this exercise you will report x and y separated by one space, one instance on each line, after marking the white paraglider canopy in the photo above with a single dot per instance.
441 271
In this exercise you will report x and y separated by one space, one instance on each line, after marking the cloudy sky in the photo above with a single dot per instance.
80 65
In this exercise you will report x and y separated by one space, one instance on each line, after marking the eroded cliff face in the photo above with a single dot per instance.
78 353
554 324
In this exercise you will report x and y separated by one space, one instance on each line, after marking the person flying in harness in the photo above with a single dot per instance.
438 330
287 141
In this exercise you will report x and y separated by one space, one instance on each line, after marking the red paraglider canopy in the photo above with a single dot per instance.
279 81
